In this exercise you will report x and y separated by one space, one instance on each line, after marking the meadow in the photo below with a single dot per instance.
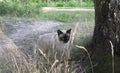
11 10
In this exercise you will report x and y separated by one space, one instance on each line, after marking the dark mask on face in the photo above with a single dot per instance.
64 37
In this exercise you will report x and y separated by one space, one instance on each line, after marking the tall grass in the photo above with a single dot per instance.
88 56
34 65
67 16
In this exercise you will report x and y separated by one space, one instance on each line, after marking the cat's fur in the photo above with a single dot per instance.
59 41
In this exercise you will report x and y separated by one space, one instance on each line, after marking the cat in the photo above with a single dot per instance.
57 42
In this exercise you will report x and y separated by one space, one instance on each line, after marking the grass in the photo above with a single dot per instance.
71 3
34 65
67 16
32 9
113 62
81 47
61 16
43 65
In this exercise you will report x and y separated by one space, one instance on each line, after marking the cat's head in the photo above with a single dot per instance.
64 36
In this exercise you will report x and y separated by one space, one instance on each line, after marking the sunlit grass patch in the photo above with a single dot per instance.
68 16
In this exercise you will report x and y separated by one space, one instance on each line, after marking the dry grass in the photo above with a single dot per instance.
112 53
38 66
88 56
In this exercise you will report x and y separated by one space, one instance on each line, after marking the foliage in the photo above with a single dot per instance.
31 7
16 8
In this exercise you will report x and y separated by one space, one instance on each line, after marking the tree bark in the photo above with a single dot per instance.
107 28
107 24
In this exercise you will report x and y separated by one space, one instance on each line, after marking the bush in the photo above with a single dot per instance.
60 4
41 4
31 8
73 3
17 8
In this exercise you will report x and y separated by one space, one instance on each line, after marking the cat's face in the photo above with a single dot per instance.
64 36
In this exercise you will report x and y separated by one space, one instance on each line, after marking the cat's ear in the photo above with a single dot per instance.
69 31
59 32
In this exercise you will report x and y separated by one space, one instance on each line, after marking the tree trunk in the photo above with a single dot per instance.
107 28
